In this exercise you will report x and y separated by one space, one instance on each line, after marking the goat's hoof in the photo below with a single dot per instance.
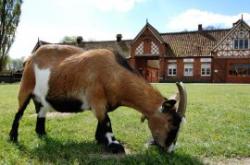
116 148
41 134
13 137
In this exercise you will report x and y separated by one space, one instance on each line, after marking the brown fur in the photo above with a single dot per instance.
97 73
100 77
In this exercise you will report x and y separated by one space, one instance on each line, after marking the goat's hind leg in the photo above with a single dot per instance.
40 122
22 106
25 93
104 135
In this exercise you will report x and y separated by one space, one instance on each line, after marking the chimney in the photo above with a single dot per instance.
200 27
79 40
118 37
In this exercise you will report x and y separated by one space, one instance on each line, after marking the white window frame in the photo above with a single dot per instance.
244 45
206 69
172 69
188 69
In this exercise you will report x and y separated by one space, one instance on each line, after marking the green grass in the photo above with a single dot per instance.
218 126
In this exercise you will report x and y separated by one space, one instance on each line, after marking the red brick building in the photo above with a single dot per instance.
221 55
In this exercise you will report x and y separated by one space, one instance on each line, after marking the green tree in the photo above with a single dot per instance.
69 39
16 64
72 39
10 11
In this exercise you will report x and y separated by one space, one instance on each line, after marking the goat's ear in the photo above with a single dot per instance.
168 105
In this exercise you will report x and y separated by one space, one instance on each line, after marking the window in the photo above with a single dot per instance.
139 49
188 69
246 44
236 44
172 70
205 69
154 49
241 70
241 44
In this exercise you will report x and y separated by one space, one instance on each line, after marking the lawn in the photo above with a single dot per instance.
218 127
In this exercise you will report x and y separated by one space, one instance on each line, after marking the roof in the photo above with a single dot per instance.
123 46
178 44
153 30
195 43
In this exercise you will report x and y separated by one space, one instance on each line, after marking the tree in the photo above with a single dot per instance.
69 39
16 64
10 11
72 39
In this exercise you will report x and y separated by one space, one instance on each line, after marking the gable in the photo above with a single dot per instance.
236 43
240 31
149 29
146 43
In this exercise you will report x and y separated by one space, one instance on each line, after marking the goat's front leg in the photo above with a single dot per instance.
104 135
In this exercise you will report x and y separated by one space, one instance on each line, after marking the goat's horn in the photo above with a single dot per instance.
183 99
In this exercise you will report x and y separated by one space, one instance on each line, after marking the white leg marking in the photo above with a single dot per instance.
109 136
171 148
43 111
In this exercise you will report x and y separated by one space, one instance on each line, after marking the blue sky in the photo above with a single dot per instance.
51 20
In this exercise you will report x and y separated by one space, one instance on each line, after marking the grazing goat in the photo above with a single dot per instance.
69 79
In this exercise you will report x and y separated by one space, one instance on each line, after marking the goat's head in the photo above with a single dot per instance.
165 125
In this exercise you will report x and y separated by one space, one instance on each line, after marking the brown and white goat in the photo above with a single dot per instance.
69 79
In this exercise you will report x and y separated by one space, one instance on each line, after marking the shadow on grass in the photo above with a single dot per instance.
57 152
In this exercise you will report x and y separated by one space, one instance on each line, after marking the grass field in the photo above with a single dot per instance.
218 127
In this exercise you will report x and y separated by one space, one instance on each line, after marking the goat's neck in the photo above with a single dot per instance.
142 97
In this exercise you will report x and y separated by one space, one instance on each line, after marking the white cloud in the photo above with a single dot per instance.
27 36
115 5
66 18
189 20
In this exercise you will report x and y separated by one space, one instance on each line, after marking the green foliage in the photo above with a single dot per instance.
217 127
10 11
69 39
16 64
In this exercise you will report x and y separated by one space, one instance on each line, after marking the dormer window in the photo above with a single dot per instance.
241 44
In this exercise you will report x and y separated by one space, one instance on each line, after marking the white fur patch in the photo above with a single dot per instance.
171 148
85 104
41 88
109 136
43 111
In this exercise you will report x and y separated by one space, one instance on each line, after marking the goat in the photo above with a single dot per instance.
69 79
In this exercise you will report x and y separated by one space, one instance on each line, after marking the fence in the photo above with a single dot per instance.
10 77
